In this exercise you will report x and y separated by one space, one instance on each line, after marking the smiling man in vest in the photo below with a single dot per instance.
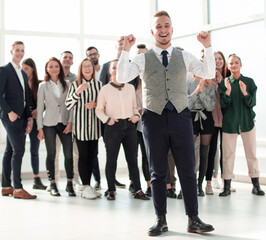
166 118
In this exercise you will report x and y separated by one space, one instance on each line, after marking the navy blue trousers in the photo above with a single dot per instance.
15 148
34 148
175 131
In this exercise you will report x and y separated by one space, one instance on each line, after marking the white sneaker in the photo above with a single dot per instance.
215 183
77 186
88 193
97 193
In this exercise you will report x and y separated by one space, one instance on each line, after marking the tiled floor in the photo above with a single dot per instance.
238 217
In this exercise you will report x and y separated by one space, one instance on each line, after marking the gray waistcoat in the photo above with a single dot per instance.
162 84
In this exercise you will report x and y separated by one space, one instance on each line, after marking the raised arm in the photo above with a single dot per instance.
126 71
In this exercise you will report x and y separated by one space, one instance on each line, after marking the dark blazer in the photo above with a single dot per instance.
11 92
105 75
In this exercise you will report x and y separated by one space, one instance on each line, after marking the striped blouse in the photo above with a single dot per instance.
86 125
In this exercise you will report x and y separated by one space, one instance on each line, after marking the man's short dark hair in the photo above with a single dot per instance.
67 52
141 46
90 48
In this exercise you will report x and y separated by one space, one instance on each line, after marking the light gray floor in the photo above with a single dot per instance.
238 217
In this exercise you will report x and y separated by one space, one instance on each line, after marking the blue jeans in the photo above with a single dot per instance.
34 148
50 143
15 148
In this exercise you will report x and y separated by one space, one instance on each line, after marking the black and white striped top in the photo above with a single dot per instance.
86 125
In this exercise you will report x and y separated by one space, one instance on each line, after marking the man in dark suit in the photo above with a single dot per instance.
17 120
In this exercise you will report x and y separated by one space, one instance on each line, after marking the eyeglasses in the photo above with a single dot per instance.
93 54
87 66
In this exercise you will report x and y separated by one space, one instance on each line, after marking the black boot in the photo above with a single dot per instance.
54 191
200 191
159 226
256 187
70 189
226 191
195 225
37 184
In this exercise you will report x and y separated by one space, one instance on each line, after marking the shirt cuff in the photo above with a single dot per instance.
75 96
108 120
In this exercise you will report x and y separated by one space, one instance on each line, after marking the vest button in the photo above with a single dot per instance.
167 79
166 99
168 89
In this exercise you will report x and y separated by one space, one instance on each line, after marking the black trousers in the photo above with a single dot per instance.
87 152
175 131
122 132
50 143
212 152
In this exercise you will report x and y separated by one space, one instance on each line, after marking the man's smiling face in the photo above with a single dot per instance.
162 31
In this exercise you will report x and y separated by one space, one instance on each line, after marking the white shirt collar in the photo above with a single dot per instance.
56 84
158 50
16 66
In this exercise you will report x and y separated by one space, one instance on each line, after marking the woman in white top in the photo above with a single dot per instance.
117 108
53 119
81 97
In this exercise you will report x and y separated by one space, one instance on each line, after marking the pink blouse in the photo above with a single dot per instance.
115 103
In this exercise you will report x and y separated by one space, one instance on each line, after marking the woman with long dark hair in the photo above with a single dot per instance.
81 97
29 67
53 119
211 175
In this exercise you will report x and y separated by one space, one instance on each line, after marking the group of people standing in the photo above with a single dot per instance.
177 98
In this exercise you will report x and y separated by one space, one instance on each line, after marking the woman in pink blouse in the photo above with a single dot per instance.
117 109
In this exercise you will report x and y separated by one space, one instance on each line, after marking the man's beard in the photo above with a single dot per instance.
95 62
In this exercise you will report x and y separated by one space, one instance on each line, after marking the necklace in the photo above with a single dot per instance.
119 87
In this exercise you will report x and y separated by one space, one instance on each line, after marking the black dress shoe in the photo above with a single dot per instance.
106 193
131 188
159 226
195 225
37 184
171 193
111 195
70 189
54 191
257 191
140 195
119 185
180 196
148 192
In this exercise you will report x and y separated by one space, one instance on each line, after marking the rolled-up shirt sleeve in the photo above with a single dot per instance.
204 69
126 71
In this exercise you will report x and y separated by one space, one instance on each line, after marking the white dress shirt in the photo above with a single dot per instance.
98 73
129 70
